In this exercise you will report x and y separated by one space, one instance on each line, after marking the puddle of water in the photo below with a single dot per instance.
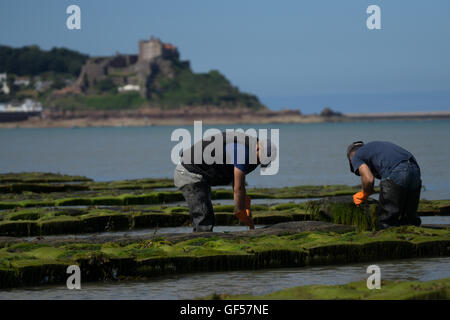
269 202
239 282
141 232
265 201
165 189
435 220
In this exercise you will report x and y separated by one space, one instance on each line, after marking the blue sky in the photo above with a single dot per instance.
292 54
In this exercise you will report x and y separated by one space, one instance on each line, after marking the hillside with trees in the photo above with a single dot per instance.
63 79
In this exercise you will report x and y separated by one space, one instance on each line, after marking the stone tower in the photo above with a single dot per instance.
149 49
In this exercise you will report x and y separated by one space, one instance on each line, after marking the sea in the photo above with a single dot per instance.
309 154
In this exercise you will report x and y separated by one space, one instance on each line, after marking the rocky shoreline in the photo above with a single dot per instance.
209 115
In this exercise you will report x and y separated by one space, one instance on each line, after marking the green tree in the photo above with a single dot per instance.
106 85
31 60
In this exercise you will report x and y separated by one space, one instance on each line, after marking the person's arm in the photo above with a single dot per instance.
367 185
239 190
367 179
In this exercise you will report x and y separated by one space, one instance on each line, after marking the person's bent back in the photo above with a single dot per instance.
214 161
400 184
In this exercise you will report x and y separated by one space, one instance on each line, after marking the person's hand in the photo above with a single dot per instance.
248 212
245 216
247 202
360 197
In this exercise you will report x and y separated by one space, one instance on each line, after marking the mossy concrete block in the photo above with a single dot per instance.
342 210
40 177
41 187
33 273
153 220
60 226
292 244
105 222
30 215
19 228
444 210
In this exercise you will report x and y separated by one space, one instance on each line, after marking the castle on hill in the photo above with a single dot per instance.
132 72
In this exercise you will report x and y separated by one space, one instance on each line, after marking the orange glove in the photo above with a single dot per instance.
247 202
246 215
360 197
248 211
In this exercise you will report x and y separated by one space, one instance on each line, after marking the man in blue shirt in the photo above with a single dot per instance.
237 157
400 180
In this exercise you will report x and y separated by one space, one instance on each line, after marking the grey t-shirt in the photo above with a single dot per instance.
381 157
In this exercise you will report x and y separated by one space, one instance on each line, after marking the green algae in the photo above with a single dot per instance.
41 187
48 221
157 197
40 177
128 212
158 255
344 211
303 191
390 290
51 182
133 194
148 183
34 189
341 210
434 207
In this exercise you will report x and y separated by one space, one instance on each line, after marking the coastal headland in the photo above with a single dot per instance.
152 87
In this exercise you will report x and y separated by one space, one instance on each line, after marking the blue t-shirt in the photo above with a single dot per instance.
381 157
241 158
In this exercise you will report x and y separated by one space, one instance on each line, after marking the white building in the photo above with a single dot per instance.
22 81
41 85
27 106
129 87
4 83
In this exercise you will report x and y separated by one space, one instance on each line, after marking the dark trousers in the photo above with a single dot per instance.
198 198
399 196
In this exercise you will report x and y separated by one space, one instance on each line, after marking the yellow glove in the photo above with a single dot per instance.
360 197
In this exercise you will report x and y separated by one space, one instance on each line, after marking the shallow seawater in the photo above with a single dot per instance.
190 286
142 232
269 202
435 220
310 154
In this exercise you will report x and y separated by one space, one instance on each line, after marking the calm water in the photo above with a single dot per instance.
239 282
142 232
309 153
